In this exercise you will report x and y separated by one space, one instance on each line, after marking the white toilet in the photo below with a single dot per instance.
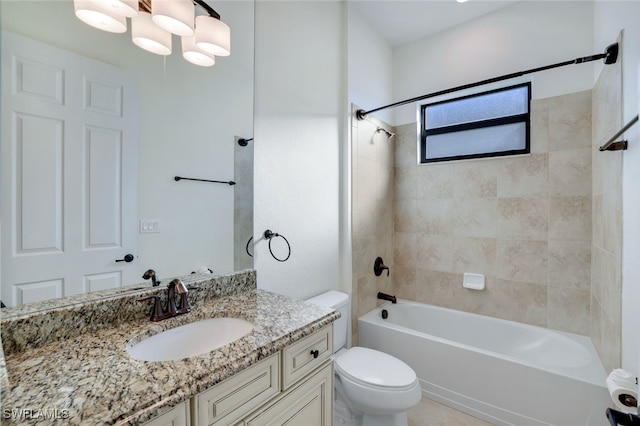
372 388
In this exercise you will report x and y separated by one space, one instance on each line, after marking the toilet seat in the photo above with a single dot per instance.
375 369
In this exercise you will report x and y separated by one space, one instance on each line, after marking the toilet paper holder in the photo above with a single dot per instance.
628 400
618 418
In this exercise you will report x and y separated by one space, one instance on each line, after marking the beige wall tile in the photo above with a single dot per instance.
476 179
367 291
435 180
475 217
611 342
526 176
405 184
539 136
570 172
610 287
434 252
384 219
570 218
404 215
438 288
612 222
522 302
523 218
568 310
364 217
570 264
524 261
366 176
597 220
476 255
595 324
405 154
404 249
434 216
570 121
404 282
366 141
364 254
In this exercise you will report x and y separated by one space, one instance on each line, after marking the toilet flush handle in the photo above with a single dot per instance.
315 353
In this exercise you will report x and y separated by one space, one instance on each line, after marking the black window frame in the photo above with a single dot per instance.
518 118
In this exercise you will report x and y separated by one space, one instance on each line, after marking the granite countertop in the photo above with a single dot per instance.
91 379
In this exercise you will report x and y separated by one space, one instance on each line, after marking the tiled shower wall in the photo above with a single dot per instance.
606 266
524 222
372 214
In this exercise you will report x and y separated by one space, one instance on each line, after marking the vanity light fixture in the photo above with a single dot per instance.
193 54
127 8
148 36
154 21
99 17
175 16
213 36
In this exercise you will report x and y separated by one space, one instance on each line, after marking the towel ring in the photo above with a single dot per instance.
269 235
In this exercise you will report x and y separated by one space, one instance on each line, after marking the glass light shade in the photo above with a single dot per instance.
127 8
98 17
175 16
148 36
193 54
213 36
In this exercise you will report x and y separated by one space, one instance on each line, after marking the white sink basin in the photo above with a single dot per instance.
190 340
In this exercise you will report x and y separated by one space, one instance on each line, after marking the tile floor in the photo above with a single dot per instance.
431 413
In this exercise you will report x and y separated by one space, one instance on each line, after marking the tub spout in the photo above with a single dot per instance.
385 296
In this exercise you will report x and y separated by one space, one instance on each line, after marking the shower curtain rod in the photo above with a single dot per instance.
610 56
612 144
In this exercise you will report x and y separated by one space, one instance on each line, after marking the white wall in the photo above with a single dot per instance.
188 118
370 66
299 123
519 37
610 17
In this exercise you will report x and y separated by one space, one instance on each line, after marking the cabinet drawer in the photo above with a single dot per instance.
226 402
309 404
305 355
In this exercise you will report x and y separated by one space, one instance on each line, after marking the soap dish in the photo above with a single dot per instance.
473 281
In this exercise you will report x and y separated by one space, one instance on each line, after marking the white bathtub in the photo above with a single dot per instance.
505 372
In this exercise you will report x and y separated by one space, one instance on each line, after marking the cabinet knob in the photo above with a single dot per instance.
315 353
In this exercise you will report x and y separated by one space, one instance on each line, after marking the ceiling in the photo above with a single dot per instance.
402 21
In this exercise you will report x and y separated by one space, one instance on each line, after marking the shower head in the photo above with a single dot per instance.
389 134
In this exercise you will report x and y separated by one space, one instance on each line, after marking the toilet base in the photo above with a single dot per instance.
343 416
399 419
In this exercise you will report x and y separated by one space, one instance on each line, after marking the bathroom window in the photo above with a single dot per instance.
487 124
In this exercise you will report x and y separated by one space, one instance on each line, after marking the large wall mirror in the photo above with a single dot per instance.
188 120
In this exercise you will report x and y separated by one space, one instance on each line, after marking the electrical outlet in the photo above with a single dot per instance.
149 226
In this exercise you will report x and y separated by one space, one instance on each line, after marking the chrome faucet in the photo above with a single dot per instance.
150 273
158 313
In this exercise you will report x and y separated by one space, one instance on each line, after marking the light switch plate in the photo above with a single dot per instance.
149 226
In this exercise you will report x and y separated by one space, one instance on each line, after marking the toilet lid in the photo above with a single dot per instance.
375 367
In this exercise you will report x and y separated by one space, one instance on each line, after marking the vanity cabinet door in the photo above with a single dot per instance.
230 400
178 416
306 355
309 404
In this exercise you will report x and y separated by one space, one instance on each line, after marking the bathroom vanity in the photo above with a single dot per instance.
292 385
70 362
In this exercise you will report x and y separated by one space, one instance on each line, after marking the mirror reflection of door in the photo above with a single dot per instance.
69 173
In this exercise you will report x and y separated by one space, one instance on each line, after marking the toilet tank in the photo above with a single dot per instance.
340 302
